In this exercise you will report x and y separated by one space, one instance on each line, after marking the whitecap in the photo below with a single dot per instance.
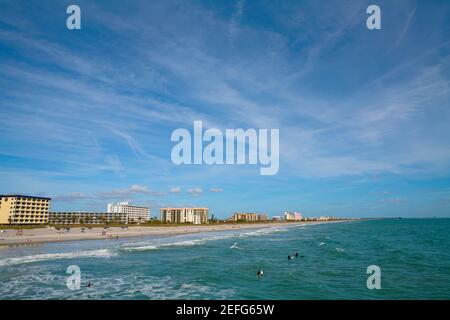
50 285
103 253
145 246
185 243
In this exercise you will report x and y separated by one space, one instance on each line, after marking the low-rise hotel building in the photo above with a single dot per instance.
135 213
22 210
67 218
249 217
184 215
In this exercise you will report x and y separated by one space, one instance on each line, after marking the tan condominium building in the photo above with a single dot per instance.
21 209
135 213
249 217
184 215
82 217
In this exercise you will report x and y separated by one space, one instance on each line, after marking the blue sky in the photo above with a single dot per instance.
86 115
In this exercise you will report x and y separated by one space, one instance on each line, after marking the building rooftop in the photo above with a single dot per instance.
180 208
126 204
82 212
22 196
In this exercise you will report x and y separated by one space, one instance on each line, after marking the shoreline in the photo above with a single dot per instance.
50 234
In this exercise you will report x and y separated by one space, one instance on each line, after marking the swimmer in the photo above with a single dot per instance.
259 273
290 258
296 254
89 284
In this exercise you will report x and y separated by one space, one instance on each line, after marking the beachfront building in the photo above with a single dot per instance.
184 215
327 218
135 213
81 217
249 217
21 209
296 216
288 216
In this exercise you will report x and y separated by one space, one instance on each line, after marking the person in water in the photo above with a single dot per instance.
89 284
296 254
290 258
259 273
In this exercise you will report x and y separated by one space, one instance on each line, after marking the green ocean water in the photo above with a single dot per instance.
413 256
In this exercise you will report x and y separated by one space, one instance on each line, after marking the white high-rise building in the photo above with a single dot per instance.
134 213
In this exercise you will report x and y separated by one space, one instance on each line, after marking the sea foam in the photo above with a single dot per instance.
102 253
147 246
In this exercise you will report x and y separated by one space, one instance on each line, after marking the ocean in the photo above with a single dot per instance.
413 256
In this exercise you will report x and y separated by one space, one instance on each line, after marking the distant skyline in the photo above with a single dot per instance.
363 115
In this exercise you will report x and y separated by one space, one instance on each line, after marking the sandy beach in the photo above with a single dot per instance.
50 234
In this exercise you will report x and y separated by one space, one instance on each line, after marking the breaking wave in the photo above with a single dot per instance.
45 284
146 246
103 253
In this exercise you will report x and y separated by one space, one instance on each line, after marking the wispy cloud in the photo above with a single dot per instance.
406 27
235 18
195 192
393 200
133 190
74 196
175 190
